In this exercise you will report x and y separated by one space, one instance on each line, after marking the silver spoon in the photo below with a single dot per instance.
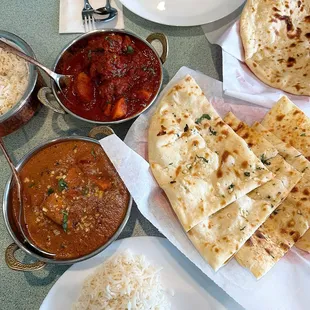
59 79
107 10
20 200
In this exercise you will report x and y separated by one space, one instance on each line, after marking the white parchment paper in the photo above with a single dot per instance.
286 286
238 80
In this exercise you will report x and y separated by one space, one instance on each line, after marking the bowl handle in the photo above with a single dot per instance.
103 130
14 264
164 42
44 94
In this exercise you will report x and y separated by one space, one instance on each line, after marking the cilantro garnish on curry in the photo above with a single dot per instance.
77 202
115 76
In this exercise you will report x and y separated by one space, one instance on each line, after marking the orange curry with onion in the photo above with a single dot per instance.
74 200
115 76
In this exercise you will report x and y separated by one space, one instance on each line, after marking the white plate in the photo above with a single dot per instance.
182 12
192 289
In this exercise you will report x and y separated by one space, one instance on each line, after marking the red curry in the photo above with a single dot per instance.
115 76
74 200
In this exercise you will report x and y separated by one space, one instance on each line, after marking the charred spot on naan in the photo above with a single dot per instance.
260 235
291 61
249 242
162 131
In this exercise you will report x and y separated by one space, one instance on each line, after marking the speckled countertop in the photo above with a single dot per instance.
37 23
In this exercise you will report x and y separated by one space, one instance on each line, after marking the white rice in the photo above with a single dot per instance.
14 76
124 281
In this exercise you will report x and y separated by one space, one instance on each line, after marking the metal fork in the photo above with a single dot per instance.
88 17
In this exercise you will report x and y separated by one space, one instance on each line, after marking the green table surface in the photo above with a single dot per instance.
36 21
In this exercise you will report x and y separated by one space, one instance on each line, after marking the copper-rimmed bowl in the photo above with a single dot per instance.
26 107
51 99
13 230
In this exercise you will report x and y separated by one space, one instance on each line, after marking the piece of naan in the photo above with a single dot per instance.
290 124
287 223
279 233
301 192
295 131
287 151
275 36
197 159
221 235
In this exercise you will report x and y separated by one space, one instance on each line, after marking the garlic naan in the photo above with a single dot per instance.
287 223
290 124
197 159
221 235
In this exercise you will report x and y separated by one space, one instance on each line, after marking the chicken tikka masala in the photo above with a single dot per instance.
74 200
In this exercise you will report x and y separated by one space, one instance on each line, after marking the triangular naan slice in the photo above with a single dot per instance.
288 222
196 158
290 124
299 162
279 233
220 236
288 152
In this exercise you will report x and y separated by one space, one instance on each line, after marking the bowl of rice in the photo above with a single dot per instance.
18 86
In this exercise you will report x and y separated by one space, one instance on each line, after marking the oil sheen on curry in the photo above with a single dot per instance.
74 200
115 76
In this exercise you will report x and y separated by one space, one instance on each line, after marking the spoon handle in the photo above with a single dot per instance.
108 5
8 158
19 53
20 198
17 181
16 176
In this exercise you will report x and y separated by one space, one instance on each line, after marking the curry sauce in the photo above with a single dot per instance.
74 200
115 76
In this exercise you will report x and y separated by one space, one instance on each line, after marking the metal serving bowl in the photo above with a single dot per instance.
13 230
24 110
50 98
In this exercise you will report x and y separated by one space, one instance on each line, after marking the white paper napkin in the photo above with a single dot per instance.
284 287
70 15
239 81
214 32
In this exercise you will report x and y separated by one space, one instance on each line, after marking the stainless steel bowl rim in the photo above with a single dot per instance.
6 197
33 73
54 87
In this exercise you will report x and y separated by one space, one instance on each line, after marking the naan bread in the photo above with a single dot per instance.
304 242
290 124
287 223
221 235
288 152
279 233
297 160
275 36
258 144
196 158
